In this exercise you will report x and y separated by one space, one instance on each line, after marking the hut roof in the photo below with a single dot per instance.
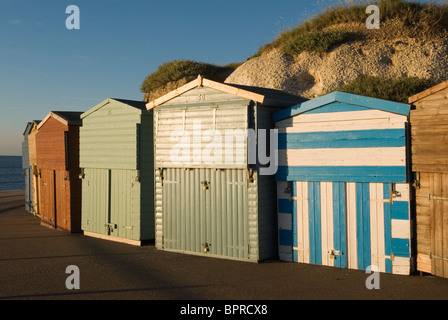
66 117
261 95
343 97
428 92
30 125
140 105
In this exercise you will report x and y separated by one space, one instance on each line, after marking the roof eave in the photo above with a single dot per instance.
343 97
202 82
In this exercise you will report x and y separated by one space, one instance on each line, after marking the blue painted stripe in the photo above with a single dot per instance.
285 237
387 227
294 221
373 103
339 223
285 206
343 139
388 266
315 222
363 225
400 247
400 210
396 174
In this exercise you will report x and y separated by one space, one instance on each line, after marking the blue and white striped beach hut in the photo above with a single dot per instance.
343 183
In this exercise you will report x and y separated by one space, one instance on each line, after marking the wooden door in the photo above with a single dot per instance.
438 204
62 200
47 199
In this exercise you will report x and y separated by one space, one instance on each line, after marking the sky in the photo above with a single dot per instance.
44 66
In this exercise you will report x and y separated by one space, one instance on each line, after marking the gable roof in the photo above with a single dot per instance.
29 125
261 95
428 92
66 117
140 105
343 97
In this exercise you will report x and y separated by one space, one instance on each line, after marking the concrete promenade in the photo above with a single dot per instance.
33 262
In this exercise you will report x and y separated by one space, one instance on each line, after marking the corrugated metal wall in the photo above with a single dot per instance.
33 163
185 136
27 171
223 203
207 211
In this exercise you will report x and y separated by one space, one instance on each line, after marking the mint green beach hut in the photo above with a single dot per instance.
117 172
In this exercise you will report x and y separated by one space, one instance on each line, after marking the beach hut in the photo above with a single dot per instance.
343 183
27 170
214 195
57 145
117 170
33 163
429 132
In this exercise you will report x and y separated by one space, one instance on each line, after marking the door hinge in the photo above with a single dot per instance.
160 174
250 175
431 256
334 253
430 197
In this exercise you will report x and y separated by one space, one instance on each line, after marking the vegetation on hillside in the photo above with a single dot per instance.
317 41
180 69
395 90
427 18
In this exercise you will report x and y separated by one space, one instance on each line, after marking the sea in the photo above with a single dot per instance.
11 173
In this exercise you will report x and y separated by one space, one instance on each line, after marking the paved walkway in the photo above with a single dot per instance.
33 261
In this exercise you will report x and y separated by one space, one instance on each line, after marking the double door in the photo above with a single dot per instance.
205 211
111 202
55 199
351 225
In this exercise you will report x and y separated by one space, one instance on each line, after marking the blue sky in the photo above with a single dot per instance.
44 66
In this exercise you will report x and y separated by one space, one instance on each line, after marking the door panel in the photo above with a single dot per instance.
438 205
62 199
121 220
351 225
339 225
47 198
206 211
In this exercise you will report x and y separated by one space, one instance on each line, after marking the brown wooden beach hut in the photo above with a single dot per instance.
57 143
429 131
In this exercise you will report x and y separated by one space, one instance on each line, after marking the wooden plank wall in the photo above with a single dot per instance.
429 132
50 145
32 145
